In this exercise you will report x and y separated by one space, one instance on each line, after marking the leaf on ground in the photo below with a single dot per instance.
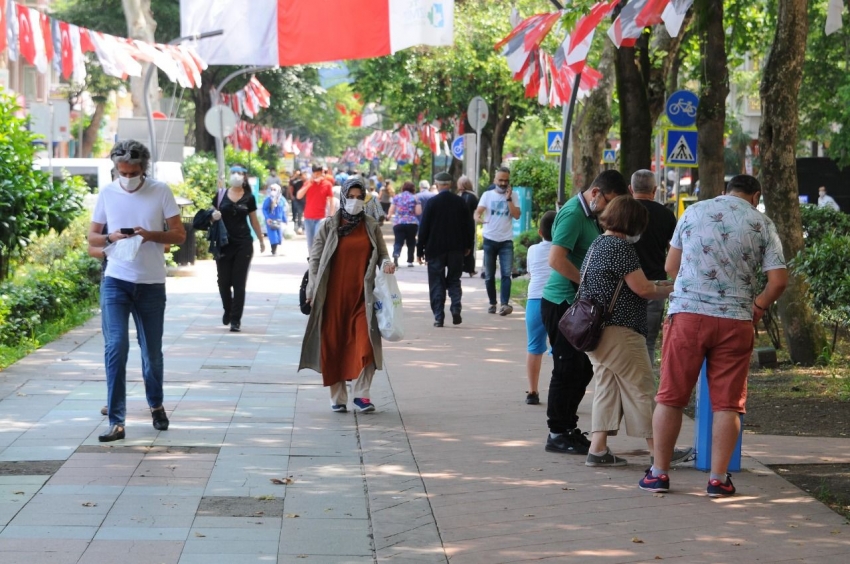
657 495
569 489
266 498
658 558
200 535
736 544
538 469
835 532
281 482
89 504
529 515
637 540
292 516
21 394
19 493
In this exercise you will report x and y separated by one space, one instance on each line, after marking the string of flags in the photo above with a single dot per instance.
399 143
247 137
249 100
43 41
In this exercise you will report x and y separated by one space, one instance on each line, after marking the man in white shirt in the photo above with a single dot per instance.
501 206
825 200
135 207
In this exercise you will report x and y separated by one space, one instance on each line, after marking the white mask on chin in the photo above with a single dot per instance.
633 239
130 183
353 206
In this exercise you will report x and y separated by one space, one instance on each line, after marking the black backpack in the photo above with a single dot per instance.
302 294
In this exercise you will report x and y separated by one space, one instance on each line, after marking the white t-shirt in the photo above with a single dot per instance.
147 208
499 226
538 268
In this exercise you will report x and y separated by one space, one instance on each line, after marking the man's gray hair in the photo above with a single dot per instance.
643 181
424 185
131 152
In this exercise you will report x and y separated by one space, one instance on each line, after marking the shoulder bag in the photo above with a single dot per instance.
583 321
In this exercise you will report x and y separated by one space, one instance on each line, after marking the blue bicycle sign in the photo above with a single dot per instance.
682 108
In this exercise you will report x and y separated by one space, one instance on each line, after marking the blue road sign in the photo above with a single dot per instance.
682 108
609 156
554 142
682 148
457 148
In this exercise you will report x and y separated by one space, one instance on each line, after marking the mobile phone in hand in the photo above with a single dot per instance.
127 231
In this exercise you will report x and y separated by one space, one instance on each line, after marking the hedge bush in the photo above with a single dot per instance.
542 177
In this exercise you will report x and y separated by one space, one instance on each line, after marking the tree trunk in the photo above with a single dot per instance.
779 90
635 124
711 115
141 25
503 125
91 131
592 124
204 142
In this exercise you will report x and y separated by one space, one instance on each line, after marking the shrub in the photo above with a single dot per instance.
542 177
521 245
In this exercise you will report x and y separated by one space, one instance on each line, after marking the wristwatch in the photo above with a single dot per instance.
108 242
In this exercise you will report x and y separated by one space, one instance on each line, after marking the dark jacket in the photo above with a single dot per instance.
446 226
216 231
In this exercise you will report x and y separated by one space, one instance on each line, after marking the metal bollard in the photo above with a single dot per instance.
703 418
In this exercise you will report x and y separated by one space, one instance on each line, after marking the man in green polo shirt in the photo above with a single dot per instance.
575 228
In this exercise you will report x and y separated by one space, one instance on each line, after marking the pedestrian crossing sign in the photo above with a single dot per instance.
609 156
554 143
682 147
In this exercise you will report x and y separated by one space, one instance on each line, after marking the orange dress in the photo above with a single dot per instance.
346 348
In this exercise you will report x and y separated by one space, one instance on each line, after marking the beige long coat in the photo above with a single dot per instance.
324 247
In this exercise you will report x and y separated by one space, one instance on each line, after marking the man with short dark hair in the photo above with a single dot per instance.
575 228
825 200
716 253
501 206
317 194
446 234
136 208
652 249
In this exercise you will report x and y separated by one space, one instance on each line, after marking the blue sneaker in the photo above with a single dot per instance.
363 405
656 484
716 488
339 408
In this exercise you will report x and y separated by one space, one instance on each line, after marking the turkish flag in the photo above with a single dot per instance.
25 36
86 43
2 27
67 53
47 33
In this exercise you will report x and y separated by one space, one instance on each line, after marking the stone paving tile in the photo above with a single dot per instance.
48 532
142 533
326 536
63 557
229 558
312 504
132 552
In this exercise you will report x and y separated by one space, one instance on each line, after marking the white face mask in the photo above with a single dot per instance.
274 194
236 180
353 206
130 184
633 239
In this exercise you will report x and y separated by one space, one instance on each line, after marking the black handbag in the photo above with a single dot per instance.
582 323
302 295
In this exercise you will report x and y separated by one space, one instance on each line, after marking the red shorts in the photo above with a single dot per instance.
726 345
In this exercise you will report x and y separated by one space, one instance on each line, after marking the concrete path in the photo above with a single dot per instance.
256 468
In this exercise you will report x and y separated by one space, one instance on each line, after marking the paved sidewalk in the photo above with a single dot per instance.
256 468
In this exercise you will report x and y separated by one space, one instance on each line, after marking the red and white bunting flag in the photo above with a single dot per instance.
41 62
47 36
833 16
260 92
625 31
284 32
86 43
3 26
26 41
12 29
674 15
651 13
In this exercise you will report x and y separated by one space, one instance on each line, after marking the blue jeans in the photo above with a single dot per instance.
146 303
504 250
311 226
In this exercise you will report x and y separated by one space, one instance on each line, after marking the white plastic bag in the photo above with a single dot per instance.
124 249
388 306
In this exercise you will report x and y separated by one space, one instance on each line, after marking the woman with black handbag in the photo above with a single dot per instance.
625 384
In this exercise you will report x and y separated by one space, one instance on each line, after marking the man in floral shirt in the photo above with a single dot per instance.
716 253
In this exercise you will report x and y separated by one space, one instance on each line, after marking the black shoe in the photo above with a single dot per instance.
115 433
567 443
438 324
104 410
395 261
235 327
533 398
456 319
225 319
160 419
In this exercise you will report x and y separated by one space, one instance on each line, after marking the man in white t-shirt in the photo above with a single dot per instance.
135 207
501 206
825 200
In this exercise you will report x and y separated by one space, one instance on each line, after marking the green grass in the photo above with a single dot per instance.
519 289
48 332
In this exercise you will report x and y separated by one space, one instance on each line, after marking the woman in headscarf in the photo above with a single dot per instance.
342 340
274 210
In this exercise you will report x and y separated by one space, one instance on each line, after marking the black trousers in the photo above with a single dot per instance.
444 272
571 374
405 234
232 269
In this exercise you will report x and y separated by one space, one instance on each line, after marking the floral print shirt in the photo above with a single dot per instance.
405 206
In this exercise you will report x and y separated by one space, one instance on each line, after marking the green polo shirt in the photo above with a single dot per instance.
575 228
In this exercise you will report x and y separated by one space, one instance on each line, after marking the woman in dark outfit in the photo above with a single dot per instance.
237 207
466 190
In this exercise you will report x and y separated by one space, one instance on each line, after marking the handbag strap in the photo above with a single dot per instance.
616 295
221 193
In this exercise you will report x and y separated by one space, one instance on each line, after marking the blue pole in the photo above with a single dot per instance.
703 419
